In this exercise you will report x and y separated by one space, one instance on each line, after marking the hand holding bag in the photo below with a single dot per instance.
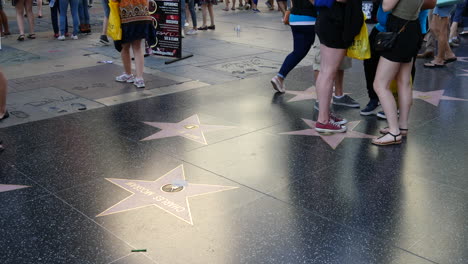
386 40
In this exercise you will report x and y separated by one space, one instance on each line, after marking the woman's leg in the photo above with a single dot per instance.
330 62
339 83
303 38
19 15
210 10
126 59
63 7
3 94
282 7
386 72
29 12
139 58
6 28
204 9
39 8
405 94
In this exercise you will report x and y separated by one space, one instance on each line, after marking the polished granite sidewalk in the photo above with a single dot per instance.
209 165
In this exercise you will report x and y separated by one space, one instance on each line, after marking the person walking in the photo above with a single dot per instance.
4 28
21 6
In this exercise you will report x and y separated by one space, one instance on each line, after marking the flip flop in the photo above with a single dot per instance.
447 61
433 65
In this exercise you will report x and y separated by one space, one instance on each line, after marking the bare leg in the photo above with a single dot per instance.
19 16
330 62
39 8
210 10
204 7
282 7
443 50
104 26
339 83
126 60
386 72
3 94
453 30
139 58
405 94
29 11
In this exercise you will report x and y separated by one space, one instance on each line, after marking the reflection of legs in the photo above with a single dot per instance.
19 15
330 61
386 72
139 58
405 95
126 59
29 12
3 94
210 10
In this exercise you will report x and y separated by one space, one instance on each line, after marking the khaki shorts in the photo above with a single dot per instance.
315 52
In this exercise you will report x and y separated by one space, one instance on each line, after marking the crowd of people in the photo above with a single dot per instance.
327 27
336 25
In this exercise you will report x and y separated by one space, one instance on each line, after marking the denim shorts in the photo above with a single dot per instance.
444 11
457 15
105 5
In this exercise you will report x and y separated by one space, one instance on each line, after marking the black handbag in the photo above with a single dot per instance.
386 40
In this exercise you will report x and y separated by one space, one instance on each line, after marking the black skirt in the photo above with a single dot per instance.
407 43
329 26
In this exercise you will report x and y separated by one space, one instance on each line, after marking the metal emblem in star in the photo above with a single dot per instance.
332 140
10 187
434 97
170 193
189 128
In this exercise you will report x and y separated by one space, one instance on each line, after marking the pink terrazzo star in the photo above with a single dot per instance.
309 94
10 187
169 193
434 97
333 139
190 128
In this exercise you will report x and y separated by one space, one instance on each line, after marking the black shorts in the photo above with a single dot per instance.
407 43
330 26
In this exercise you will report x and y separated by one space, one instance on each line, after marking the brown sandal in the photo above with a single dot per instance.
403 131
386 143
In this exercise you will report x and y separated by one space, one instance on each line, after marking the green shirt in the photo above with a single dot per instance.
408 9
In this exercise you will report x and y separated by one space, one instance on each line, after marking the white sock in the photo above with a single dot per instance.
338 97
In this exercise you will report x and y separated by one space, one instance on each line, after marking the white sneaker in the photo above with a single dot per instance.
183 33
192 32
75 37
186 24
61 38
129 78
139 83
277 85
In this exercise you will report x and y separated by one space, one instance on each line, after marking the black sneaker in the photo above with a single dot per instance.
381 115
370 108
104 40
345 100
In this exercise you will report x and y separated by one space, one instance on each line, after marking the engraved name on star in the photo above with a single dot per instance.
333 140
11 187
434 97
170 193
189 128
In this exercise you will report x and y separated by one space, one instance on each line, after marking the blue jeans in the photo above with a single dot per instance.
54 11
63 15
83 11
105 5
182 11
193 14
304 37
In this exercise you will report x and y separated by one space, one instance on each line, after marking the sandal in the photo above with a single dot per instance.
21 37
385 143
212 27
32 36
433 65
449 60
403 131
203 28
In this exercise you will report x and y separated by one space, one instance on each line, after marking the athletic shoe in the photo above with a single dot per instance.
183 34
186 24
370 108
381 115
277 85
330 127
316 106
75 37
139 83
345 100
255 10
337 119
104 40
61 37
129 78
268 5
192 32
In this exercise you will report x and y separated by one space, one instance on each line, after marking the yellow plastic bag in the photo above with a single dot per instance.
113 27
360 49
